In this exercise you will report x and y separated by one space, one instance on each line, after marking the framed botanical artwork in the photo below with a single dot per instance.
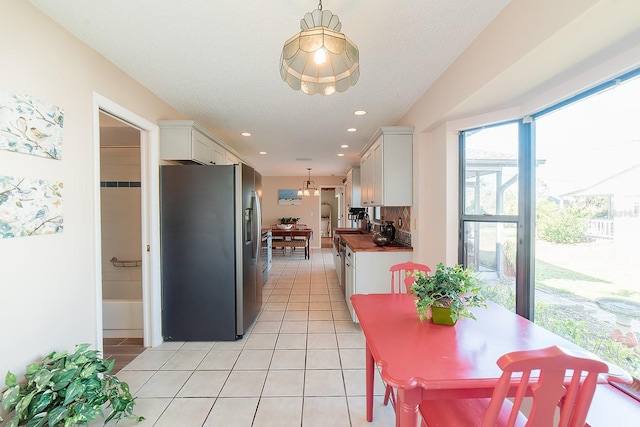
289 197
29 207
30 126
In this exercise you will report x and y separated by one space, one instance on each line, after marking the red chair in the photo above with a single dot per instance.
548 386
398 277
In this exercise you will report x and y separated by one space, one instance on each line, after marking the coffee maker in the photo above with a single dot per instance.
360 216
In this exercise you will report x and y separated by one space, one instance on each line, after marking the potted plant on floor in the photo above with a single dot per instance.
67 389
446 294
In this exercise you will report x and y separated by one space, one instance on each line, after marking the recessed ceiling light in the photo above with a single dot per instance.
360 113
344 146
246 134
340 154
263 152
352 130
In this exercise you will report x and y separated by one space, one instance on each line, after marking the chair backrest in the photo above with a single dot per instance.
564 379
399 275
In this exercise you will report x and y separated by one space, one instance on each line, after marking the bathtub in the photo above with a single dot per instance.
122 318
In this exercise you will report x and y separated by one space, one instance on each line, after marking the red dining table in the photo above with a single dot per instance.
425 361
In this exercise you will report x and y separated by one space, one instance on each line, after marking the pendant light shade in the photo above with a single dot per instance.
307 186
320 59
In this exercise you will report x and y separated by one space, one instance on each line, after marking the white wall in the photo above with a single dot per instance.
48 283
121 222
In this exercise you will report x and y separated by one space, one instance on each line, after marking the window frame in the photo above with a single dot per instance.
525 220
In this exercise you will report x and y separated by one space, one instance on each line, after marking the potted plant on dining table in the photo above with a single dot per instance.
446 294
287 223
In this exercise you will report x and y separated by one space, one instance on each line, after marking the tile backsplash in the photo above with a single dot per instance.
401 217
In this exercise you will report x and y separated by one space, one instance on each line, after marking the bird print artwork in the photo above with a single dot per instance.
38 135
30 126
30 207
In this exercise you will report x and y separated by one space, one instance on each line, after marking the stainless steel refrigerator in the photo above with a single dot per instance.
211 264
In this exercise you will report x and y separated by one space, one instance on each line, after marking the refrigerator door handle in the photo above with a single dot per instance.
257 211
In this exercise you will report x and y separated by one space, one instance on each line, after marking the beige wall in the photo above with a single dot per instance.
48 283
534 54
308 211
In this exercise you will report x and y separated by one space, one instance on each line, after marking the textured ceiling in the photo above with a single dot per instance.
217 62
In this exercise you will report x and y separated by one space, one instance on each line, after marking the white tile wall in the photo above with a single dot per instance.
121 224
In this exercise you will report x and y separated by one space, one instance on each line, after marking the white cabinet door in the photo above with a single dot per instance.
386 168
378 173
350 280
218 155
353 194
231 159
366 179
200 147
347 188
371 273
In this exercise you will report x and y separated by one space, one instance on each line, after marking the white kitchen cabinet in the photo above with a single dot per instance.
231 159
368 273
352 188
185 141
386 168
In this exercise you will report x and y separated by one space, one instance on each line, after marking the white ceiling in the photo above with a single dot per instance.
217 62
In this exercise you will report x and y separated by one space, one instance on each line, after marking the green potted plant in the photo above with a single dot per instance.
446 294
287 223
67 389
288 220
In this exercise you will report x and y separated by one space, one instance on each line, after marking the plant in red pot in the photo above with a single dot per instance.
445 294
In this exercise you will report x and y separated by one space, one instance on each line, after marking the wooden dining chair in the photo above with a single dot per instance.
543 375
398 277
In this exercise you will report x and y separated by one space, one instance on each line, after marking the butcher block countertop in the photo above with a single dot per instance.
364 243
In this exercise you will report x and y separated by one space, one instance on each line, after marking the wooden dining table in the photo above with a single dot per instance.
424 361
287 238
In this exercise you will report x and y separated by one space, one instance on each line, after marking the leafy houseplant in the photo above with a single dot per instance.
288 220
454 288
67 389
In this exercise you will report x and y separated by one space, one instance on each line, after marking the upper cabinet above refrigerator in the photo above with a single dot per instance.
186 142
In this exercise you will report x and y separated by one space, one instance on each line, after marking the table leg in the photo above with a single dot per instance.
369 383
407 402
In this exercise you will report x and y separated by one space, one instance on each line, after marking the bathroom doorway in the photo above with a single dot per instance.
148 246
121 237
330 208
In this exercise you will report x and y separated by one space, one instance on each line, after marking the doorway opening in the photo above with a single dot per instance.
121 231
330 212
147 244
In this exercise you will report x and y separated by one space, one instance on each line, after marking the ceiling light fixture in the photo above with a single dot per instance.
352 130
320 59
308 185
246 134
360 113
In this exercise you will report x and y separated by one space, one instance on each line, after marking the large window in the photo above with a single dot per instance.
490 208
567 254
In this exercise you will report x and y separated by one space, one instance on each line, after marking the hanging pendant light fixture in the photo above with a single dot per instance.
320 59
309 184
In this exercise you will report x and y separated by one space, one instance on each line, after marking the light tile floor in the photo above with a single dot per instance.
302 363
